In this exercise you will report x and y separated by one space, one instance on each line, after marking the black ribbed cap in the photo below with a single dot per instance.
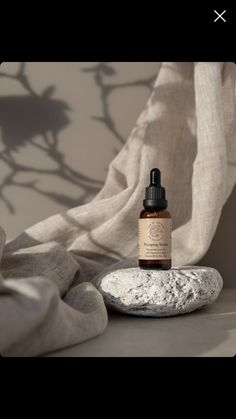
155 194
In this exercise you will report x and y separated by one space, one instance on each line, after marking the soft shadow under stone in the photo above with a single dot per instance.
160 293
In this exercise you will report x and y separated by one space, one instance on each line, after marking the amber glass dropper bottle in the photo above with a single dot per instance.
155 227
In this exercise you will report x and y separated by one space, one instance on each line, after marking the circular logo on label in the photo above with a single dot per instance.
156 231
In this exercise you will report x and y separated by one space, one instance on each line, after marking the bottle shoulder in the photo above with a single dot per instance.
155 214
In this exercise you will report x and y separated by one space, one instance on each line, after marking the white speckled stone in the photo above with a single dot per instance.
160 293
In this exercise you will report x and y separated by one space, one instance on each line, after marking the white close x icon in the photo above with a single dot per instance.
220 16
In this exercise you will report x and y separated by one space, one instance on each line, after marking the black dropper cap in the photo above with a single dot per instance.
155 194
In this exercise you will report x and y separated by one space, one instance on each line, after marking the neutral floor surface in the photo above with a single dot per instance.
208 332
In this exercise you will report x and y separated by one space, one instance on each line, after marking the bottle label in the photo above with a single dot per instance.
155 238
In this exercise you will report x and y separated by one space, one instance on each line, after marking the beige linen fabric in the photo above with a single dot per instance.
187 129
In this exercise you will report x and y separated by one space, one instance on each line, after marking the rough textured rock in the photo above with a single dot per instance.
160 293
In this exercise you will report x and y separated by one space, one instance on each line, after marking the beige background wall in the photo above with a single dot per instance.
60 126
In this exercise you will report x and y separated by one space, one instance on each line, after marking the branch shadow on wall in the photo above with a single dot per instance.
37 119
100 73
25 119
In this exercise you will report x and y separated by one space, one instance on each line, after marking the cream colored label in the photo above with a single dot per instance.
154 238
